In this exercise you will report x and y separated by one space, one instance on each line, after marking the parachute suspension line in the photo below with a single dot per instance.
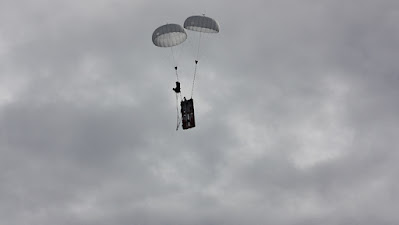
199 44
195 73
196 64
173 56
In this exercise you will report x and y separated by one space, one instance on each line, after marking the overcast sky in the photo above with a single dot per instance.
296 110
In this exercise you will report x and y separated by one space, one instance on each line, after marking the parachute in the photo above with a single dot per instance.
201 24
170 35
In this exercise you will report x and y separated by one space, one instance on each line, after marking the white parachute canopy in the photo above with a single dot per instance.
169 35
201 24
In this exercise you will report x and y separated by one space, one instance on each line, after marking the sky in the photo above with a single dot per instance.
295 103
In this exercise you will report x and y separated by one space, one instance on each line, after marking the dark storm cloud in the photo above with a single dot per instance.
295 107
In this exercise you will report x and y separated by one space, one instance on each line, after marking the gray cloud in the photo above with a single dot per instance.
295 107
